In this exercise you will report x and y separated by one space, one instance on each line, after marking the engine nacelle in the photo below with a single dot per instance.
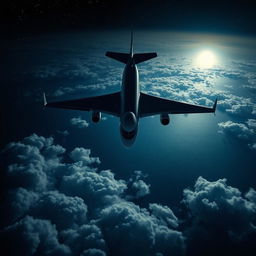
96 116
165 119
128 121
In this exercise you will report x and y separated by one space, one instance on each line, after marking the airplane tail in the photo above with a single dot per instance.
122 57
138 57
131 46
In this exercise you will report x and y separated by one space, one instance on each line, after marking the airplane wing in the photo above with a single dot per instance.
108 103
151 105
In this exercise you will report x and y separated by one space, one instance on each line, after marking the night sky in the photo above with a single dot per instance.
70 187
208 16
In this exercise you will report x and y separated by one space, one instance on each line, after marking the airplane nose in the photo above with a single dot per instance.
128 138
129 121
128 142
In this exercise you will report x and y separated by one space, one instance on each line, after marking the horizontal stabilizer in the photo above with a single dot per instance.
140 57
122 57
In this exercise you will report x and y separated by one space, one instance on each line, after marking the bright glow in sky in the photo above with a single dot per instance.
206 59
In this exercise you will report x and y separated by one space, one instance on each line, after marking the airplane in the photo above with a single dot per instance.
130 104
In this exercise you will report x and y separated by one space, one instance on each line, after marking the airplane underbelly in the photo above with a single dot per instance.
130 100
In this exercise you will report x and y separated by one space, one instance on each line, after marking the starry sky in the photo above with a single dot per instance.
69 187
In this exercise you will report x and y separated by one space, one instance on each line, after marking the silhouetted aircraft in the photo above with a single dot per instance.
130 104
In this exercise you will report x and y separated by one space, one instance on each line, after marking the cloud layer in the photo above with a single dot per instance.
79 122
244 131
70 207
57 207
222 219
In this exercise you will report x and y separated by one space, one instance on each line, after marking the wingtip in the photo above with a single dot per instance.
215 105
45 101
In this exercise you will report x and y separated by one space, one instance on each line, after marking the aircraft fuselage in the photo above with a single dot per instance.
130 103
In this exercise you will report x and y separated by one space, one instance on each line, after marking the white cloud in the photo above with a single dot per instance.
137 187
63 211
252 146
63 90
19 203
151 236
29 236
83 238
80 210
186 83
164 214
141 188
251 123
245 131
93 252
236 129
83 155
79 122
71 208
220 211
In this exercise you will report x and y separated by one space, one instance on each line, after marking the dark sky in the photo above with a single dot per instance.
211 16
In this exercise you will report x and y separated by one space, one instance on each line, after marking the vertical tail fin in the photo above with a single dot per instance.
131 46
122 57
140 57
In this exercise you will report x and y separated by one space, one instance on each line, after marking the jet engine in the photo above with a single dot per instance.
129 121
165 119
96 116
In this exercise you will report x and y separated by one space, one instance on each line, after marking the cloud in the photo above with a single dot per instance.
96 188
79 122
19 202
251 123
81 210
244 131
136 186
63 211
150 234
164 214
181 81
252 146
57 207
29 236
70 69
83 155
141 188
84 238
27 166
93 252
221 217
78 89
237 105
236 129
